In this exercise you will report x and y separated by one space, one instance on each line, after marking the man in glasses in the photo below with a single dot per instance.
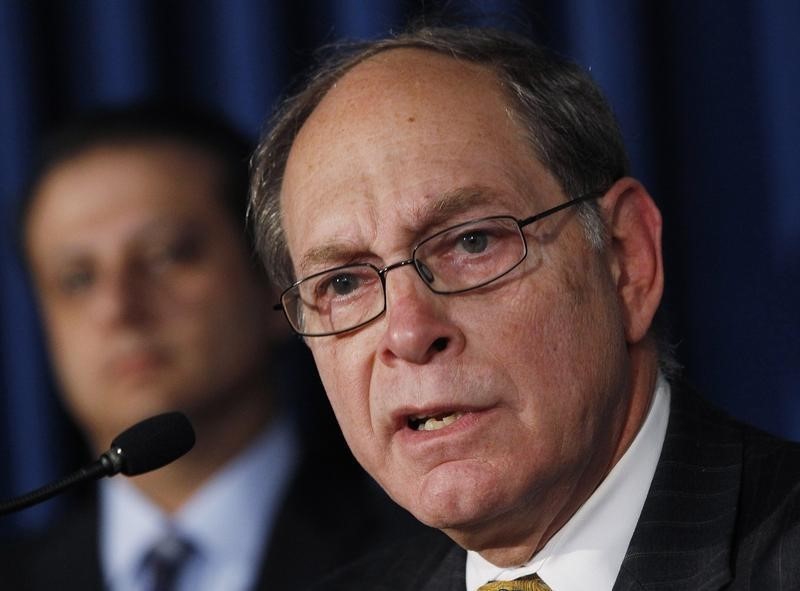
477 277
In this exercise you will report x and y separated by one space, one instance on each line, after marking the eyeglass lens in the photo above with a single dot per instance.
457 259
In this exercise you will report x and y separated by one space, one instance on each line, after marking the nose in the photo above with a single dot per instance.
122 297
418 329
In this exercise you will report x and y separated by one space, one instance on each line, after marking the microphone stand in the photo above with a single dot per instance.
110 463
148 445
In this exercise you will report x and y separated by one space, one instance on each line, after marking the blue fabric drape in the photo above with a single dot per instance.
707 94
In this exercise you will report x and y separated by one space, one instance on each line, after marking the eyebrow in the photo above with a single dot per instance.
432 213
328 253
450 204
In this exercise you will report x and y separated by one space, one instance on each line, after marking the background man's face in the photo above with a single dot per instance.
145 286
533 368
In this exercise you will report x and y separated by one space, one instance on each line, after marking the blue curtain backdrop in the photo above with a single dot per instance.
708 95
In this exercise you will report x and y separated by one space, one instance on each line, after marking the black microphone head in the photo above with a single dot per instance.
153 443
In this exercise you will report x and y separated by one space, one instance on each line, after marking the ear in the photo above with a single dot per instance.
634 224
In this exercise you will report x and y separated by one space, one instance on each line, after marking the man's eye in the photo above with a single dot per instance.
344 284
75 281
474 241
185 250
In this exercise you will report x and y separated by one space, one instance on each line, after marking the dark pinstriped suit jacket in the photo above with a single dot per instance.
723 512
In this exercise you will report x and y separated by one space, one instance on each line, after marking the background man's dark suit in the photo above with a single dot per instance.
321 525
332 514
720 496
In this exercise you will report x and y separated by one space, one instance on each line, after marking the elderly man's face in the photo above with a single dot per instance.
532 368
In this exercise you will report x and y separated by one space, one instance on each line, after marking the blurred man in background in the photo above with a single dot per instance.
135 239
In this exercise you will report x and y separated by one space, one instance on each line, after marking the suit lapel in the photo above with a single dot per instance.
449 574
432 563
332 514
64 558
683 537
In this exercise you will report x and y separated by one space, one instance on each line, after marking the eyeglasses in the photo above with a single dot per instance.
454 260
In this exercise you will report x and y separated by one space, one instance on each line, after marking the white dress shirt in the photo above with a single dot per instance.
587 552
227 521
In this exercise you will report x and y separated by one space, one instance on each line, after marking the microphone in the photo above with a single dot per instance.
147 445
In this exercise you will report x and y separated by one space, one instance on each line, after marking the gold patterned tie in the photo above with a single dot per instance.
529 583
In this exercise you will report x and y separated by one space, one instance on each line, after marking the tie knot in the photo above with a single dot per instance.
166 559
171 549
529 583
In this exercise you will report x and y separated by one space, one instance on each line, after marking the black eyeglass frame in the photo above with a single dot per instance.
381 272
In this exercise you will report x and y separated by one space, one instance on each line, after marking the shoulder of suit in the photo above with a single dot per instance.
388 566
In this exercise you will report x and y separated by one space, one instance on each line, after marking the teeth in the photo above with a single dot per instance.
433 424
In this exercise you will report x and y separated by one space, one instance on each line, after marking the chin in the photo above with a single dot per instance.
457 497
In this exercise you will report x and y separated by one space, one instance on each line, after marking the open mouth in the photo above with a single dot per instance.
433 422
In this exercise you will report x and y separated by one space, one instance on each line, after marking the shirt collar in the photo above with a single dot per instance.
588 551
226 520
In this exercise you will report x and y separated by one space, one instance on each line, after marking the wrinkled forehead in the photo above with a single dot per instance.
399 84
401 117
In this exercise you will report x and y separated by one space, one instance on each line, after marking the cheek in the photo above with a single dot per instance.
78 368
231 324
560 333
190 293
73 345
210 297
